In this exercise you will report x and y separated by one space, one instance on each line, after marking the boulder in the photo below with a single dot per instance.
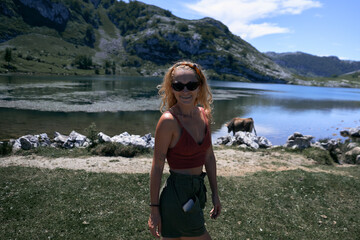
224 140
73 140
15 143
44 140
318 145
264 142
298 141
352 156
59 138
329 145
103 137
76 140
28 142
352 133
250 139
244 139
352 145
134 140
150 141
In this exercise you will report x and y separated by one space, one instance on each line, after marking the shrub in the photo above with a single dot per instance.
89 37
183 27
8 55
117 149
83 62
128 17
319 155
92 133
5 148
167 13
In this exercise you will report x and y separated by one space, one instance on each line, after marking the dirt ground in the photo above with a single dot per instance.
230 162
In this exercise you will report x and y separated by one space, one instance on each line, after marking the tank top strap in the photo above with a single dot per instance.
177 119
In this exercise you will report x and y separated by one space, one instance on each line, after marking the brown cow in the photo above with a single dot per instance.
241 124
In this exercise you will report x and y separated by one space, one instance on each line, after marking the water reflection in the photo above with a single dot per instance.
31 105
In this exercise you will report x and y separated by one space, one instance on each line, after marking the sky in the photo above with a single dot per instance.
317 27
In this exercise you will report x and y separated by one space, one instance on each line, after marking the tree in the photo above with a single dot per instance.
8 55
113 67
89 36
83 62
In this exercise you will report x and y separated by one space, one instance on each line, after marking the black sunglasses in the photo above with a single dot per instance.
191 86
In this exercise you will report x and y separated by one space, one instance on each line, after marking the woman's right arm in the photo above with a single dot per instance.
163 137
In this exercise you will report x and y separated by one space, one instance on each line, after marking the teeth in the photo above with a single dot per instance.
186 97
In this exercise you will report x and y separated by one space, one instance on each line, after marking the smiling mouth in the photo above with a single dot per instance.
186 97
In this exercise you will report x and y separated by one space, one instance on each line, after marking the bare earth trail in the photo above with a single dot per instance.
230 162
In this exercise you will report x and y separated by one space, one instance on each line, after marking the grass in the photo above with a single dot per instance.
104 149
64 204
49 55
51 152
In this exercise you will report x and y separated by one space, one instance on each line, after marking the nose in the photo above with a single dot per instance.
185 89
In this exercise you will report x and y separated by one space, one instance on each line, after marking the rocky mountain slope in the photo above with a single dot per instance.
310 65
114 37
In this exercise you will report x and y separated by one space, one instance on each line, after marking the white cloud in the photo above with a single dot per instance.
240 15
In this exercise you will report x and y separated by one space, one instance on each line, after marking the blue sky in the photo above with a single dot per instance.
318 27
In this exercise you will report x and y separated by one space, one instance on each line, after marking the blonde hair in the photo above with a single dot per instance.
204 98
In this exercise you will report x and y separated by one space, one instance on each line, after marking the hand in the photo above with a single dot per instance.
154 223
215 212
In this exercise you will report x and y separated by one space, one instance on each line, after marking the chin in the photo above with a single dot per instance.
188 101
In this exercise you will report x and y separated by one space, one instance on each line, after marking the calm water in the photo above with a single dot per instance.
33 105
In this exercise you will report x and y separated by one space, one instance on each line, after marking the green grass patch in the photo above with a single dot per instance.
52 152
319 156
103 149
117 149
64 204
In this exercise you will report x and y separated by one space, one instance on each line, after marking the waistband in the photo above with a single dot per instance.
175 175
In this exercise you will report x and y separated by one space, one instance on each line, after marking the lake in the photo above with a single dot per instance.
37 104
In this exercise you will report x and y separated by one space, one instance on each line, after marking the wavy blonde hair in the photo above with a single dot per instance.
204 98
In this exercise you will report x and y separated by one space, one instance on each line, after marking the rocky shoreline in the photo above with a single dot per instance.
341 152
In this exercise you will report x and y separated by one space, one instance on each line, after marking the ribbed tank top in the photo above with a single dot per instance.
187 153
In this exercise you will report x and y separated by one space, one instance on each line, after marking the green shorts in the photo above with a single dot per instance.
175 222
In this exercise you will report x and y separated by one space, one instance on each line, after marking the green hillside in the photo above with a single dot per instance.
114 37
314 66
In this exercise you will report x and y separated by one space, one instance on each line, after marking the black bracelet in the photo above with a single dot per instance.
154 205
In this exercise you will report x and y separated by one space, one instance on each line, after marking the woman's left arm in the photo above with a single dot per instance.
210 166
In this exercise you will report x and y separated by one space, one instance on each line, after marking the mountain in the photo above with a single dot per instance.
309 65
114 37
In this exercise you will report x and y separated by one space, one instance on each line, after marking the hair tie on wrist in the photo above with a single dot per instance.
154 205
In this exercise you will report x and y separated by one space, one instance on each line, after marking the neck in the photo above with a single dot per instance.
185 111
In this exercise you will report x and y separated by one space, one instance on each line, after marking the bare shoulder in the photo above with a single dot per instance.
167 121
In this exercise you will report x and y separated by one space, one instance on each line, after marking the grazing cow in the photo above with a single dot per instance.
241 124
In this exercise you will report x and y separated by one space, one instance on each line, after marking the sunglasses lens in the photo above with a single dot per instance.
191 86
178 86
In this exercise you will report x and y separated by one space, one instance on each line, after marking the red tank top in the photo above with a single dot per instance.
187 153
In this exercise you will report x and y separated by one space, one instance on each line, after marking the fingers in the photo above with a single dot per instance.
215 212
153 228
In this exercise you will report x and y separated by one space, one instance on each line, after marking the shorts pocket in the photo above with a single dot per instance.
194 217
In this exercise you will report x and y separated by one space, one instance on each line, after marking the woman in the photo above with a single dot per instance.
183 137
